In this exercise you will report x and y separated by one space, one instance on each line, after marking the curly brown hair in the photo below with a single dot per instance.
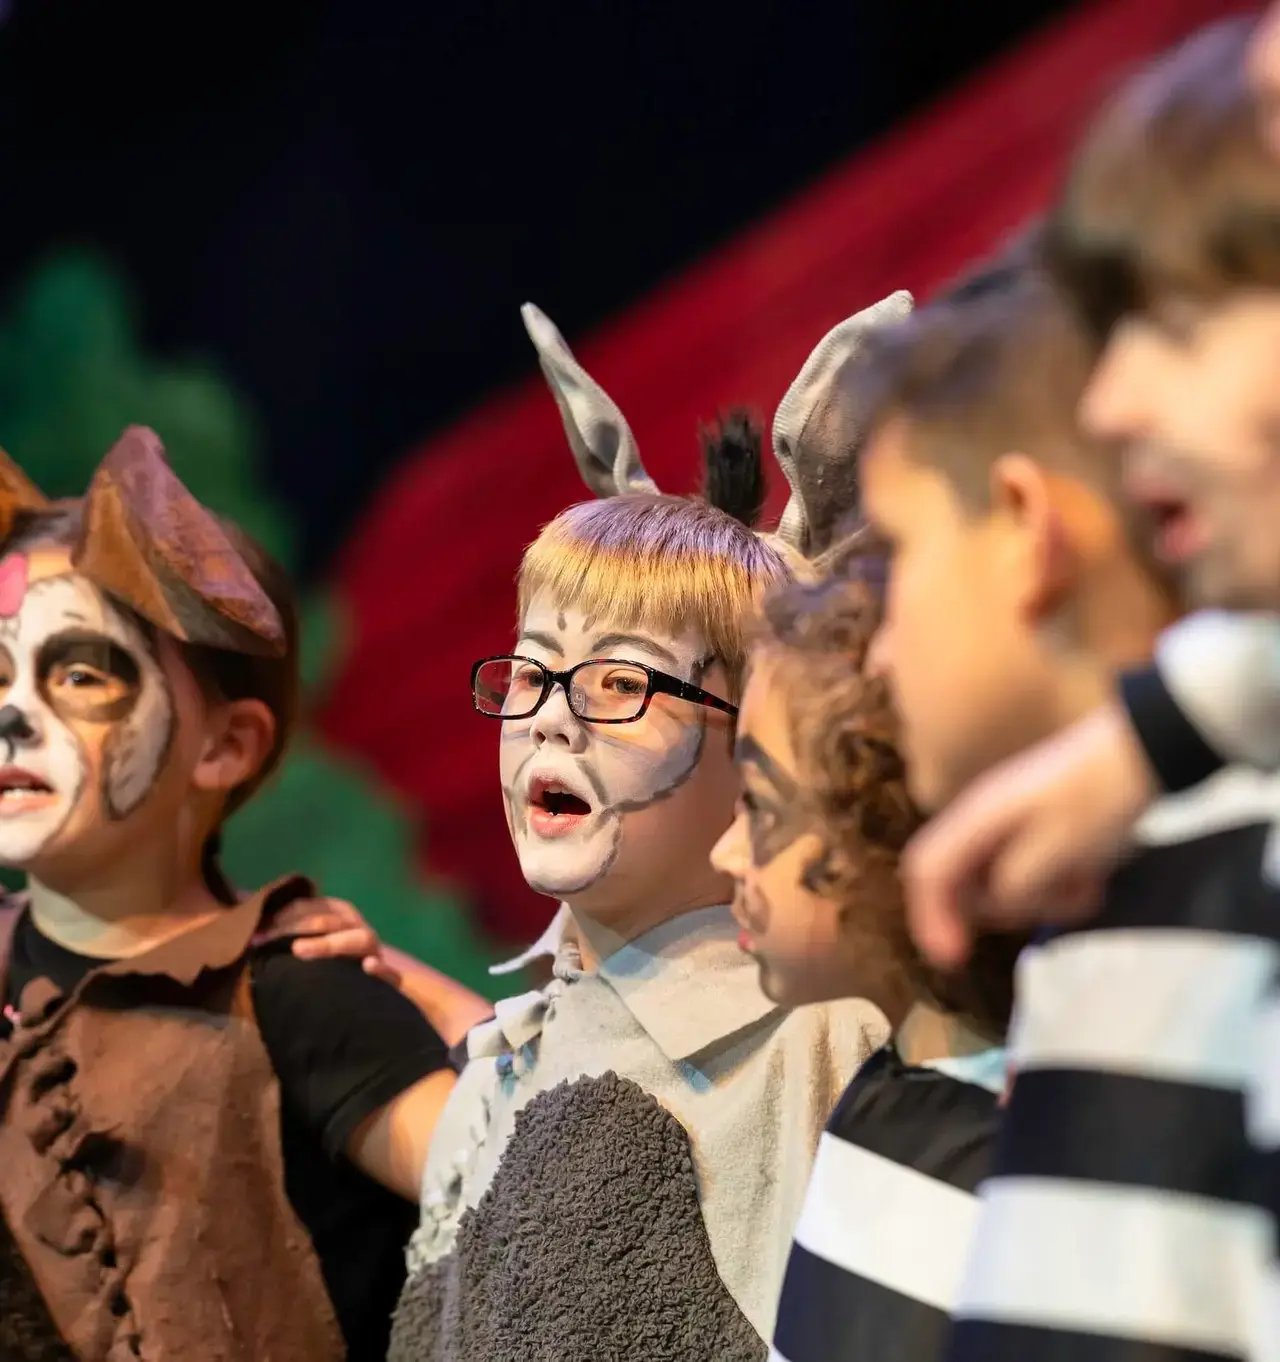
846 734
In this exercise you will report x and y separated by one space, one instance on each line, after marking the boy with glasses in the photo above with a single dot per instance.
623 1162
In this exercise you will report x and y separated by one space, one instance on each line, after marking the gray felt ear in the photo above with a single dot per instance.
602 442
818 432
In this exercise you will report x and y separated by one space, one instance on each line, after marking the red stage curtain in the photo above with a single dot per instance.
429 577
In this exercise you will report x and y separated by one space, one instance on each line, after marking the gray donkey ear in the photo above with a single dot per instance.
602 442
818 431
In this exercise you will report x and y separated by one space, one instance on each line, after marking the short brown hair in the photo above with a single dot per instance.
1173 189
845 735
995 369
671 563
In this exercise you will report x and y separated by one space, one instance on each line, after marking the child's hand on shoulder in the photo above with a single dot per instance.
332 929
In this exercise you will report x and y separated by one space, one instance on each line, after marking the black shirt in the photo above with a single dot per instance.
342 1044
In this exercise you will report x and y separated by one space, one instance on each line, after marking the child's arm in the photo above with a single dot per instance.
451 1008
1033 840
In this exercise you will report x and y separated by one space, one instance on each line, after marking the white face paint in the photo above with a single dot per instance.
576 791
86 717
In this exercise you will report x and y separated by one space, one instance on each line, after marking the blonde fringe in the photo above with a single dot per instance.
674 565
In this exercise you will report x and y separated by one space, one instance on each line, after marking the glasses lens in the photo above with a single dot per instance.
610 690
508 686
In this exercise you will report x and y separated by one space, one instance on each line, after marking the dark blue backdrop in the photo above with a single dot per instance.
345 203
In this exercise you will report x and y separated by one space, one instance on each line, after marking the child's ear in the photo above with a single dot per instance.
1028 500
238 740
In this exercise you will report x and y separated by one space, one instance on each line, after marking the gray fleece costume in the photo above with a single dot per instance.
598 1176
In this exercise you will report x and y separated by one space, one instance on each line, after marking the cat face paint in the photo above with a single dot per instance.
602 813
774 806
789 927
86 716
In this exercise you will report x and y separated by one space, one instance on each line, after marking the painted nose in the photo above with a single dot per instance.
15 728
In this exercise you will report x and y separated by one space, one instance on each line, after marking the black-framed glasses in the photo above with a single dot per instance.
600 690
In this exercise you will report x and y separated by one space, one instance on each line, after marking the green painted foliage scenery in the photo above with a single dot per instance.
73 375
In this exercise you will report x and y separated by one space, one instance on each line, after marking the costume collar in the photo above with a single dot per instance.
687 983
986 1069
548 944
216 943
210 945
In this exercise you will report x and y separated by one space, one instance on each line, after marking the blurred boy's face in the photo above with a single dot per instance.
1191 391
612 818
795 934
958 645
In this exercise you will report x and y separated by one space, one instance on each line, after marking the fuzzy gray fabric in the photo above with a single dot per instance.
589 1246
27 1331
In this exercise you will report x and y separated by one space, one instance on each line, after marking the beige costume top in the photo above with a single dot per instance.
679 1013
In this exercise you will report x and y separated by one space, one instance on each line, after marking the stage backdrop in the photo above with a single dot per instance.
428 579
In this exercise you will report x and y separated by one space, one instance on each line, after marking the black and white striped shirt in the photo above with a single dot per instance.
1123 1221
1211 696
884 1235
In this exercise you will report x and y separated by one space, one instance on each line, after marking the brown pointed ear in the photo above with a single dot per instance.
149 542
17 494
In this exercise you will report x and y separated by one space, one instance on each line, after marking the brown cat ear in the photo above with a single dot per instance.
150 543
17 494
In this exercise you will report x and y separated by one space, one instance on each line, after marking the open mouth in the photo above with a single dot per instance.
750 930
555 809
21 791
1176 527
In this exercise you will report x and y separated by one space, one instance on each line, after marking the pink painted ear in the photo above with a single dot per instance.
13 584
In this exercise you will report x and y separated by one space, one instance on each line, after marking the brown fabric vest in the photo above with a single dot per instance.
142 1172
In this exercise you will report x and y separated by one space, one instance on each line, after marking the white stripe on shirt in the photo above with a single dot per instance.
1183 1270
1139 984
884 1242
1223 670
1266 1342
1262 1112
